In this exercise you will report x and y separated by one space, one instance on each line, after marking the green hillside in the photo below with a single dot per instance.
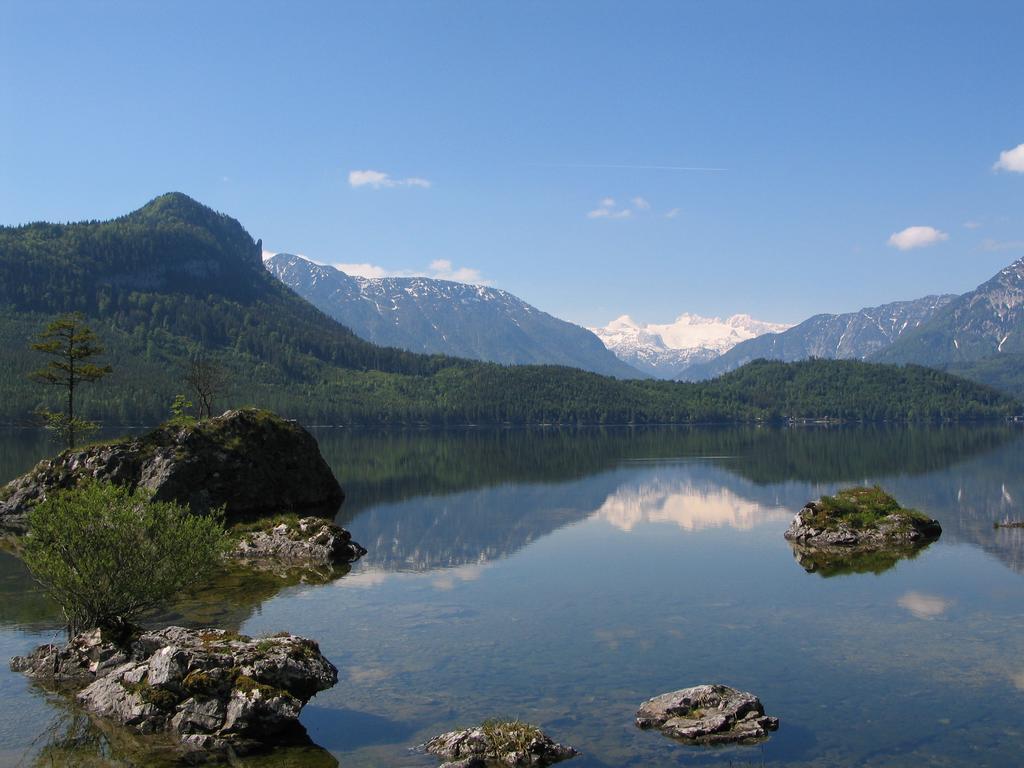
175 277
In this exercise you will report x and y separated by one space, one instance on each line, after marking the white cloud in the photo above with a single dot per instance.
370 270
673 214
1011 160
381 180
972 224
607 209
916 237
439 269
268 254
640 204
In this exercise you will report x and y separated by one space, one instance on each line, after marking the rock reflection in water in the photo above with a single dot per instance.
75 739
838 562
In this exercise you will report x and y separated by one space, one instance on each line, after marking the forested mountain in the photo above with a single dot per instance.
422 314
849 336
175 277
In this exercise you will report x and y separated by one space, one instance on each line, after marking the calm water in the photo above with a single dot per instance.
564 576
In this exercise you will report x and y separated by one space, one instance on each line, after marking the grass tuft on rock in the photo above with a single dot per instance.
505 736
860 507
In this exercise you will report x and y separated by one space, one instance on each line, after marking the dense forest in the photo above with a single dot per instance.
176 278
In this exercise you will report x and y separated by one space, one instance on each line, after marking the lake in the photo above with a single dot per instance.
564 576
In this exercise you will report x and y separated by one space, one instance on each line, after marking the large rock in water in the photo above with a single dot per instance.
498 743
213 690
250 461
707 714
309 541
862 519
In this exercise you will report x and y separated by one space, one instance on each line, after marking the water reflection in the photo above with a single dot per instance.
385 467
75 739
563 576
688 503
924 606
229 598
836 562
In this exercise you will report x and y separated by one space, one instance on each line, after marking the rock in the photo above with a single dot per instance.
249 461
310 541
213 690
860 518
88 656
707 714
510 744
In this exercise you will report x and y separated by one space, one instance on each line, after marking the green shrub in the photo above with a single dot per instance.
106 554
862 507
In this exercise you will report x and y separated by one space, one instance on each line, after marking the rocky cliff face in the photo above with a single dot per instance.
251 462
987 322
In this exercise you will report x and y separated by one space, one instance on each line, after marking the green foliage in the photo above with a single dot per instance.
179 413
66 430
70 343
861 507
106 554
505 736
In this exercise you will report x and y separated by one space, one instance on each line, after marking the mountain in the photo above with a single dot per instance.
849 336
983 323
667 351
443 317
175 278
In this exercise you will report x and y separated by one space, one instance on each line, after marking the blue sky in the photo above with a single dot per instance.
503 130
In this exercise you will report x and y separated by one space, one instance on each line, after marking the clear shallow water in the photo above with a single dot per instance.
563 577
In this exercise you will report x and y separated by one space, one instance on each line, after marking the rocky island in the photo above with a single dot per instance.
858 530
248 461
212 689
85 512
860 518
307 541
707 714
507 743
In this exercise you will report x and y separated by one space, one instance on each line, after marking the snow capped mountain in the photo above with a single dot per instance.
424 314
668 350
849 336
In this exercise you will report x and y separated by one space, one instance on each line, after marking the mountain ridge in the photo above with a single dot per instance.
981 323
433 316
175 279
847 336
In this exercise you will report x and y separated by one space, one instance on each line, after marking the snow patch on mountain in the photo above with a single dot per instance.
667 350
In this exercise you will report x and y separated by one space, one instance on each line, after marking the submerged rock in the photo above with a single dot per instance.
306 541
498 743
707 714
211 689
861 518
249 461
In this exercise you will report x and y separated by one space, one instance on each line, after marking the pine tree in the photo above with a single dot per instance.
71 344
